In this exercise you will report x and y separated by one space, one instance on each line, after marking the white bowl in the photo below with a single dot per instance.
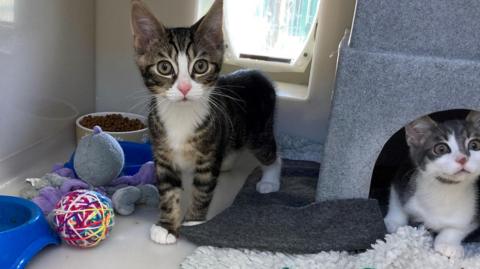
138 136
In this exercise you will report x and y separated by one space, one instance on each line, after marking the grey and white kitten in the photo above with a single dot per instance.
441 190
199 119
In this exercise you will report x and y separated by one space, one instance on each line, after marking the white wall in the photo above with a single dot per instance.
46 76
119 86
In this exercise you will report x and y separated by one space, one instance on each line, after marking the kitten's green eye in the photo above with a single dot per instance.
165 68
200 67
474 145
441 148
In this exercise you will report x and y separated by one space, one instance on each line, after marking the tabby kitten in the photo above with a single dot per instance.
441 190
199 119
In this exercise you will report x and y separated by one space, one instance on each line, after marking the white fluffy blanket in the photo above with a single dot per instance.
408 248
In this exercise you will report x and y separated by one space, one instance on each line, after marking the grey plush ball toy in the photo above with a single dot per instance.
99 158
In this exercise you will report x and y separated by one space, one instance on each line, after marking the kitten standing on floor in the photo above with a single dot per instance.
441 190
199 119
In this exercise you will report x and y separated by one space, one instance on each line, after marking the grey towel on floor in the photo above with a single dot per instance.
289 220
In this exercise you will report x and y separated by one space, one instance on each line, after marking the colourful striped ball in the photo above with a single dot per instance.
83 218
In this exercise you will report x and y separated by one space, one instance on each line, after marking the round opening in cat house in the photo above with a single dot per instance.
398 160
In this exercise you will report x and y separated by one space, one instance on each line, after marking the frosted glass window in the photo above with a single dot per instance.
279 32
270 30
7 13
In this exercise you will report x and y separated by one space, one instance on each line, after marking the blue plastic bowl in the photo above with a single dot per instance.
24 231
136 154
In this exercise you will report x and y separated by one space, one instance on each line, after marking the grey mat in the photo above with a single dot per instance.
289 220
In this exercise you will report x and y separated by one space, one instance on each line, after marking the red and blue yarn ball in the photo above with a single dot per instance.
83 218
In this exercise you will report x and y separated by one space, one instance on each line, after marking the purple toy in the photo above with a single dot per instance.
146 175
125 191
48 196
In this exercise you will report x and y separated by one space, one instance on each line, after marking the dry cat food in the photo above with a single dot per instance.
112 123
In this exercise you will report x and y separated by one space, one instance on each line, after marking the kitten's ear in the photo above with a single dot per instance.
474 117
145 26
417 130
209 29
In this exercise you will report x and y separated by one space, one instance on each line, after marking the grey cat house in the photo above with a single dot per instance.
402 60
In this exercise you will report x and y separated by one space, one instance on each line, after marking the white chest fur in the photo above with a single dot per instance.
440 205
180 121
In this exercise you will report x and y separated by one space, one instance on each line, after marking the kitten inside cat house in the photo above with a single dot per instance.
433 166
394 155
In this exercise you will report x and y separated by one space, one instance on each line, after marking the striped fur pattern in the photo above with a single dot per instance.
440 190
198 118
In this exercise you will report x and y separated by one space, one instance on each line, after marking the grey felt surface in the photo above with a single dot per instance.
289 221
443 28
406 59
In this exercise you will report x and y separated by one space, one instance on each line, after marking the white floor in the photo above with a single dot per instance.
129 245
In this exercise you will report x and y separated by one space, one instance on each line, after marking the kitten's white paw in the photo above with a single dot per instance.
449 250
192 223
267 187
161 236
270 181
392 225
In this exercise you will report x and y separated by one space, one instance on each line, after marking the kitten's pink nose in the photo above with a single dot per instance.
461 160
184 87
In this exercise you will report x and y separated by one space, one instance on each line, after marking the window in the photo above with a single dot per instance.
7 20
275 35
7 14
